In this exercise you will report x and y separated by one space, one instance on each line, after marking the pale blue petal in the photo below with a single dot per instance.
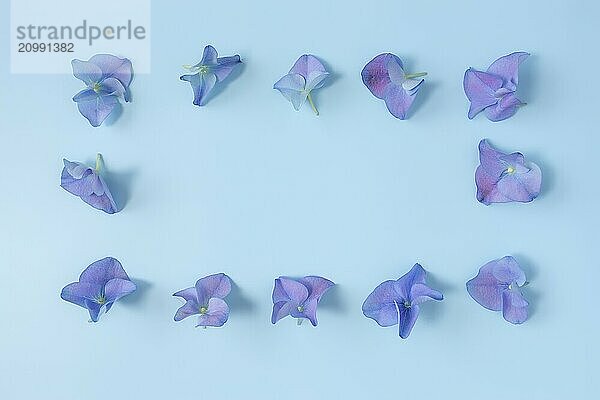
292 88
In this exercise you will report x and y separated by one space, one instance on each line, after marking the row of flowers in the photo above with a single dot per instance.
108 78
497 286
500 178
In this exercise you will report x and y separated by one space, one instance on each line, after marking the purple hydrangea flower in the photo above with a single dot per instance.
107 79
384 76
298 297
307 74
494 90
208 72
502 178
205 299
497 287
397 302
88 185
100 285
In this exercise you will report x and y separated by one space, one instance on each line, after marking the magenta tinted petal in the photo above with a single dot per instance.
217 314
507 67
408 318
385 77
380 304
375 74
514 306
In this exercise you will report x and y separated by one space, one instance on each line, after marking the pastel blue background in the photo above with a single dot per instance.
248 186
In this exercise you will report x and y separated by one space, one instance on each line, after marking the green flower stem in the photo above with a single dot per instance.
299 321
312 104
415 75
98 162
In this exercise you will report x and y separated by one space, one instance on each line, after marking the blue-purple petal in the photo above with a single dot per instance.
117 288
505 108
507 270
95 309
89 187
114 67
189 294
309 311
213 286
86 71
398 101
496 184
188 309
514 306
281 309
78 292
225 66
480 88
507 67
381 304
306 65
209 56
407 319
406 282
317 286
101 271
421 293
111 87
485 288
287 289
96 108
202 85
217 314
